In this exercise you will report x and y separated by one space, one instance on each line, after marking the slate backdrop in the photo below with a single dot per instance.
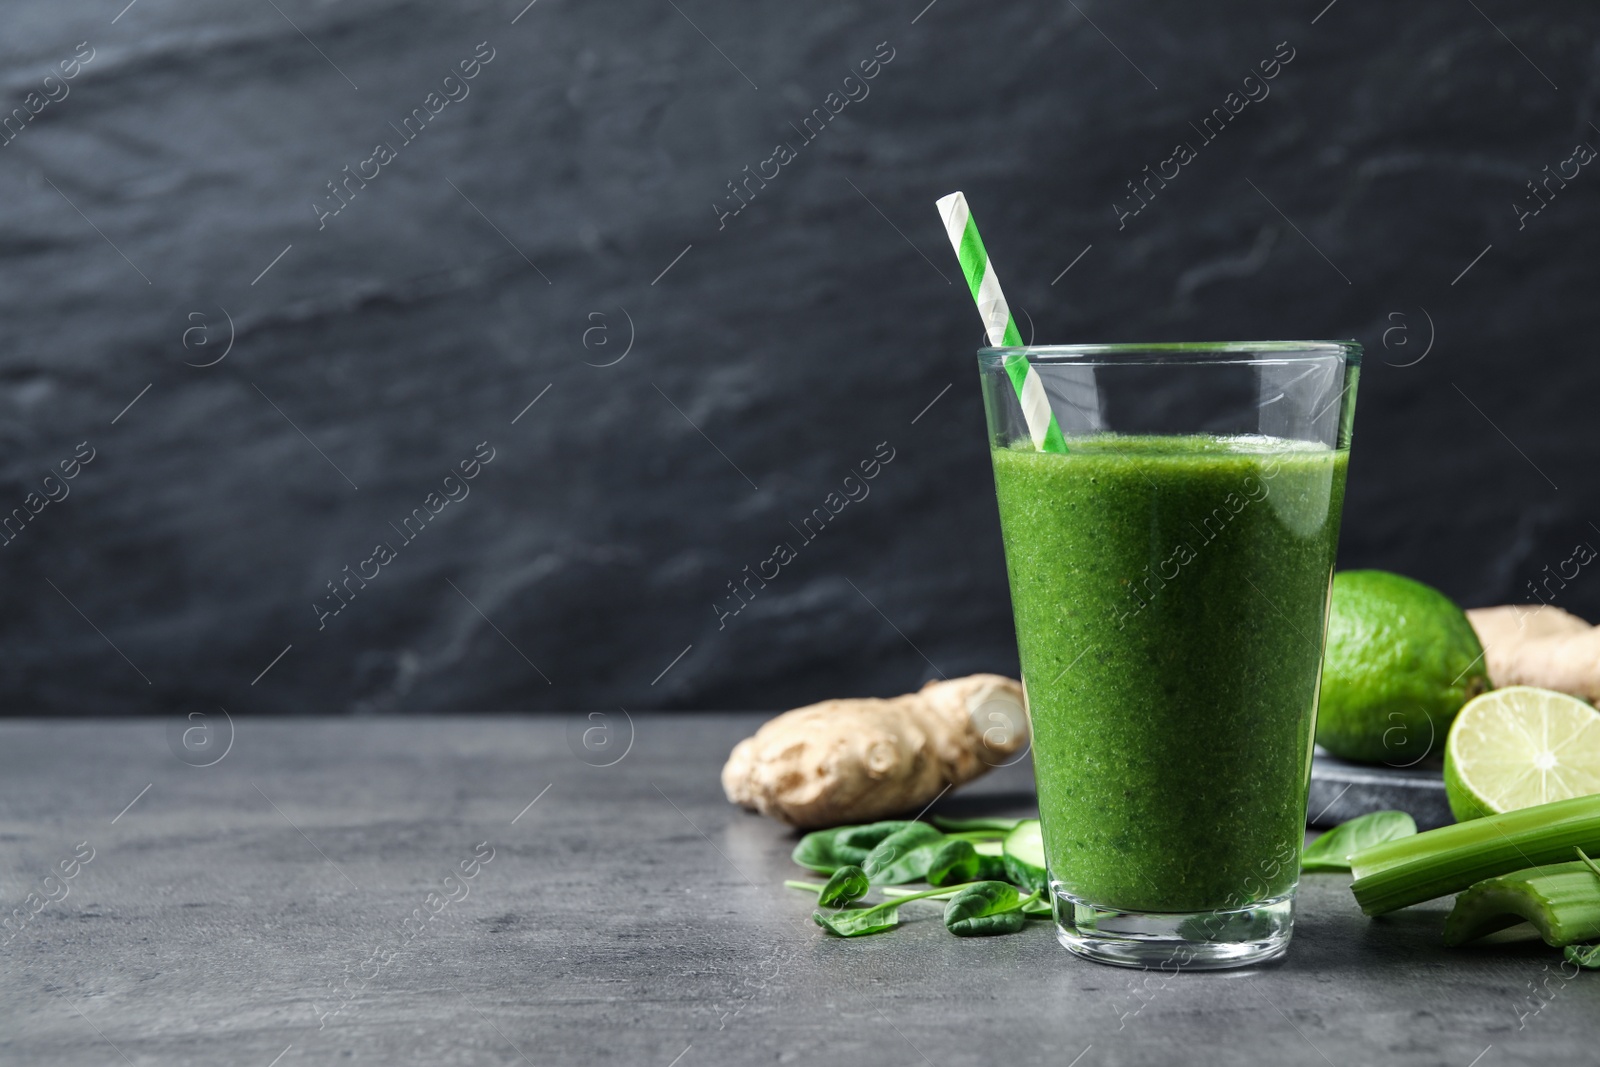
703 381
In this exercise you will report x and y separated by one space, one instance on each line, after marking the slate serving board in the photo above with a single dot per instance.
1341 790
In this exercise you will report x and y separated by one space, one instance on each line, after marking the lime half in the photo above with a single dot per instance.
1520 746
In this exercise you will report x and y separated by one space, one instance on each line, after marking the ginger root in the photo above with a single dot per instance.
1542 646
851 761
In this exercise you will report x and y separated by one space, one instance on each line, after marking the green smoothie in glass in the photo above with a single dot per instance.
1170 593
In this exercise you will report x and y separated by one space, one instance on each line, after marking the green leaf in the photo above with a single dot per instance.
1036 906
817 852
954 861
928 894
956 826
1585 956
984 909
1332 851
903 856
911 866
847 884
825 851
859 922
990 869
865 838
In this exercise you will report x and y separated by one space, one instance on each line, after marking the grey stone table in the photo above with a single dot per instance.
274 908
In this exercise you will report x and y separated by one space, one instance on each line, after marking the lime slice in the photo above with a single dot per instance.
1024 856
1520 746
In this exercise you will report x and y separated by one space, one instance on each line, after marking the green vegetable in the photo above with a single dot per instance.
1332 851
912 866
898 893
825 851
956 826
954 861
1037 905
859 922
991 868
1024 856
980 837
991 862
1397 874
1586 956
847 884
819 852
1588 862
903 856
1561 900
864 838
902 893
984 909
970 864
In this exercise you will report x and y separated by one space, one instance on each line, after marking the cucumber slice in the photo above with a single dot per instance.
989 848
1023 853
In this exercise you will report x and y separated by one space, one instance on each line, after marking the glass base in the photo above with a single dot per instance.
1175 941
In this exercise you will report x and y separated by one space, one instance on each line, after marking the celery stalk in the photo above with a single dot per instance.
1561 900
1397 874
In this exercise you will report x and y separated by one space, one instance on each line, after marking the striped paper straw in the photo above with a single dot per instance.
999 324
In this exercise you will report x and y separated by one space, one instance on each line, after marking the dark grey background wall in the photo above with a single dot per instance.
267 396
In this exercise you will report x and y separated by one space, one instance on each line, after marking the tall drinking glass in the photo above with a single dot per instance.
1170 574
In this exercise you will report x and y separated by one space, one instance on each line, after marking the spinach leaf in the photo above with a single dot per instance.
858 922
1585 956
953 861
910 866
864 838
1037 905
902 856
817 851
847 884
984 909
1332 851
990 869
900 892
825 851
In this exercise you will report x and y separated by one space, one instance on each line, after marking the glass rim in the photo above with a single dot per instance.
1195 352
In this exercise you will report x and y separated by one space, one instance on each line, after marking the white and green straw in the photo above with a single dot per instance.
997 320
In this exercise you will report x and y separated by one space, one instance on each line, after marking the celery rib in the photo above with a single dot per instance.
1397 874
1561 900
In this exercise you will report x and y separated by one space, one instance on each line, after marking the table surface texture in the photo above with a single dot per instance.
479 890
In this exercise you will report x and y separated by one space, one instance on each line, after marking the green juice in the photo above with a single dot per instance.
1170 596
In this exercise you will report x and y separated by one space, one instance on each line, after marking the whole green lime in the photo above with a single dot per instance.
1401 660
